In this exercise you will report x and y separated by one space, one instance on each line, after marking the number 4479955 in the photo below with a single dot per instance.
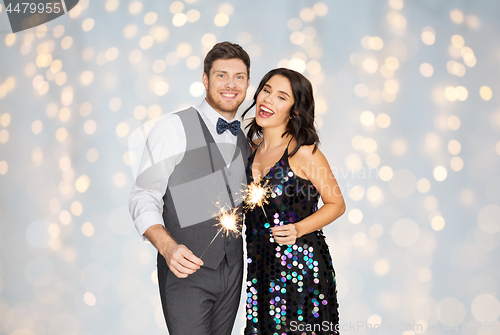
31 7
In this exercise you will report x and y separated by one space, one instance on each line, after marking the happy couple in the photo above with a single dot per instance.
199 156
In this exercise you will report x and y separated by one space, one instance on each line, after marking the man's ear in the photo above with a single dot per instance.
248 83
205 80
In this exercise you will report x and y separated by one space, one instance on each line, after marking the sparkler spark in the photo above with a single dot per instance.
228 221
257 195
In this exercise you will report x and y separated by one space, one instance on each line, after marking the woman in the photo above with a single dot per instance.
290 281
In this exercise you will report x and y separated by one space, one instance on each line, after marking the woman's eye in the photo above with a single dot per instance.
282 98
266 90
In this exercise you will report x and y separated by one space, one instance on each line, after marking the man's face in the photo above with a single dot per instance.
227 85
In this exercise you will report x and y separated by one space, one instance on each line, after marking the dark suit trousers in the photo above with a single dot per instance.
204 303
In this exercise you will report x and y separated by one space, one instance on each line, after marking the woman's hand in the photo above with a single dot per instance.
286 234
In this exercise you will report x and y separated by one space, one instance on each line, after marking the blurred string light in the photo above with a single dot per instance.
399 182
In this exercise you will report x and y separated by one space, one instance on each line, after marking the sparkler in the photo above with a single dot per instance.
256 195
228 221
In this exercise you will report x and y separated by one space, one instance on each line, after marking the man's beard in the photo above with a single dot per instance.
219 105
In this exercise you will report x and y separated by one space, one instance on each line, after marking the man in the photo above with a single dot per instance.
193 159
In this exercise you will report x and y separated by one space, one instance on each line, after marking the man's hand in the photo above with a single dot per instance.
181 261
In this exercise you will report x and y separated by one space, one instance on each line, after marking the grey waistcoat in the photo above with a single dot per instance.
197 183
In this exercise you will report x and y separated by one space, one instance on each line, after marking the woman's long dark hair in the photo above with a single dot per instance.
301 123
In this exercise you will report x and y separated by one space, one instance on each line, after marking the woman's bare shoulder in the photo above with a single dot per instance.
306 159
309 153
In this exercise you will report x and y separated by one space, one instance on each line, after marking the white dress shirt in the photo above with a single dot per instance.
167 141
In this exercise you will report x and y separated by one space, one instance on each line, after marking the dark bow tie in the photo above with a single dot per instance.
223 125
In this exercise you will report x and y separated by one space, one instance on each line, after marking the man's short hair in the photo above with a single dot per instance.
225 50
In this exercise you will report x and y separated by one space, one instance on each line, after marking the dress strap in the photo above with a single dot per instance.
255 151
286 150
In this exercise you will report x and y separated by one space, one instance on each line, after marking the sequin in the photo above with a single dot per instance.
287 283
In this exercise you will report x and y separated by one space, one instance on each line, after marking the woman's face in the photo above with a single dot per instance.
274 103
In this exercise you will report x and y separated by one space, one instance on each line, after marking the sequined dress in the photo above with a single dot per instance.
288 287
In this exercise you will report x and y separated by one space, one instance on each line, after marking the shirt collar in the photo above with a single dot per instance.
211 114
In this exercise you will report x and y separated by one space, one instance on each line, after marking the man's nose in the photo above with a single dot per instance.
230 83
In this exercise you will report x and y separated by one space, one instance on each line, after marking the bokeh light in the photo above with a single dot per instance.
428 36
355 216
405 232
440 173
485 92
457 16
485 307
426 70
